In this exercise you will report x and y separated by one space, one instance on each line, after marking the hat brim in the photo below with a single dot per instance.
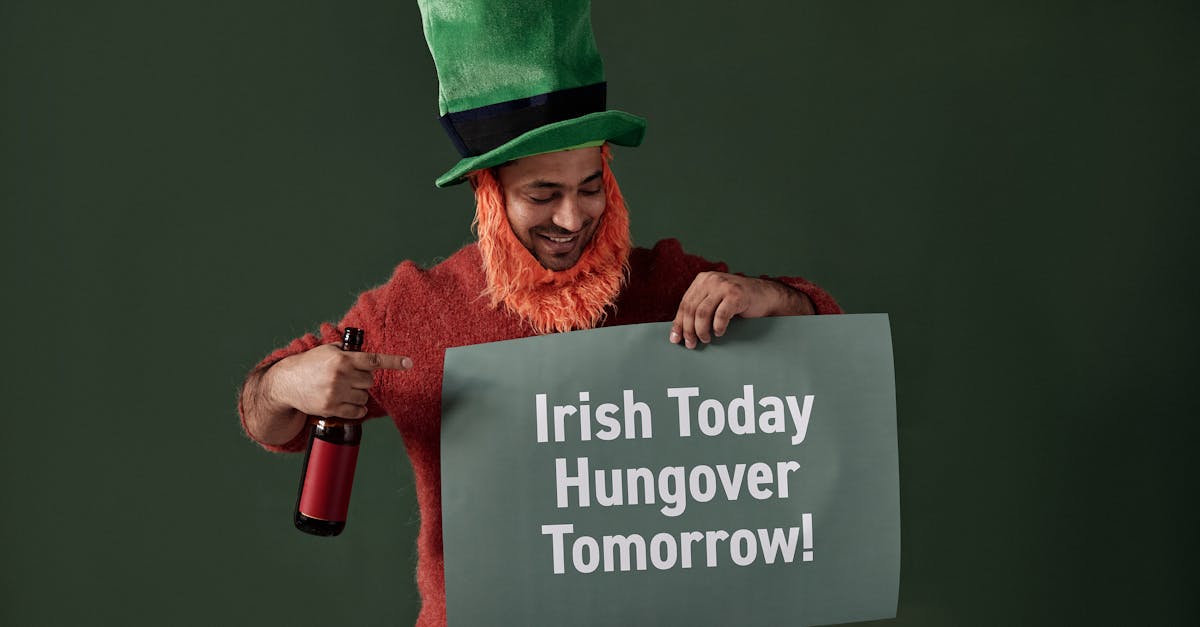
618 127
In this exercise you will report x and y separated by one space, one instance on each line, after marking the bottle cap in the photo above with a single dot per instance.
352 339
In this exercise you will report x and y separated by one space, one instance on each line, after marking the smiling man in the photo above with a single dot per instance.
553 254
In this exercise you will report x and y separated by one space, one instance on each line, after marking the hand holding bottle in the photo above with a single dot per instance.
338 383
328 381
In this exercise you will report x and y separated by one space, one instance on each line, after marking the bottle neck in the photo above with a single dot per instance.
338 431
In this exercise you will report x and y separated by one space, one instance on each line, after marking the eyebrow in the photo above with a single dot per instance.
544 184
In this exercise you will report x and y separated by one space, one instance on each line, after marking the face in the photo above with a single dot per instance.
554 202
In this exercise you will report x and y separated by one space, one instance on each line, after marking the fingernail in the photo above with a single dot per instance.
674 337
407 363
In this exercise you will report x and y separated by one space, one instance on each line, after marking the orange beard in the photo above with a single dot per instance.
575 298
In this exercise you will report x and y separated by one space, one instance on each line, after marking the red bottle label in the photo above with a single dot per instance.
327 482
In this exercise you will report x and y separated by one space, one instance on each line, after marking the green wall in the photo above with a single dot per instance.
185 187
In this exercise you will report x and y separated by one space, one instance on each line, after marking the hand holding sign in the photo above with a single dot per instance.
714 298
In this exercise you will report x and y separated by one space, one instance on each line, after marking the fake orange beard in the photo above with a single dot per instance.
575 298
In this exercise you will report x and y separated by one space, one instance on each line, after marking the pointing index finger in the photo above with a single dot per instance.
380 361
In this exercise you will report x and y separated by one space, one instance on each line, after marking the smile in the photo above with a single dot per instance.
558 244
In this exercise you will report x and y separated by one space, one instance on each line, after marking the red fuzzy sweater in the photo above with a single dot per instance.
420 313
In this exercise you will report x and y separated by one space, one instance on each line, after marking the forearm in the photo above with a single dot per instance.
818 300
789 301
268 420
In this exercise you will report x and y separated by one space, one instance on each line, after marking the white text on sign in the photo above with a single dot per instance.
743 415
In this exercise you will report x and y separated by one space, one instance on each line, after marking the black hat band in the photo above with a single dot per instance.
477 131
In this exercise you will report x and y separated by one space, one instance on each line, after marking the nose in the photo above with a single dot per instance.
569 215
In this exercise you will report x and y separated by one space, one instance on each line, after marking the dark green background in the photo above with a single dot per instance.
185 187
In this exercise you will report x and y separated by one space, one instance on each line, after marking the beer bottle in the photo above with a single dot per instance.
328 471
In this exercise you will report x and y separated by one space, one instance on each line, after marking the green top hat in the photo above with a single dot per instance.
519 78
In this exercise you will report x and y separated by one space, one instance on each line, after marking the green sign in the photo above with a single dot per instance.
609 477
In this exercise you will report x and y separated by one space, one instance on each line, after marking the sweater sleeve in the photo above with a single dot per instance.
367 314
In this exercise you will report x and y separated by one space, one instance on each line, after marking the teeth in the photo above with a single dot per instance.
560 240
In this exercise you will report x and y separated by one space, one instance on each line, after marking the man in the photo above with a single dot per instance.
553 252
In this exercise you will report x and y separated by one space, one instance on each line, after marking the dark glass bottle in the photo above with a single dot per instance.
328 472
